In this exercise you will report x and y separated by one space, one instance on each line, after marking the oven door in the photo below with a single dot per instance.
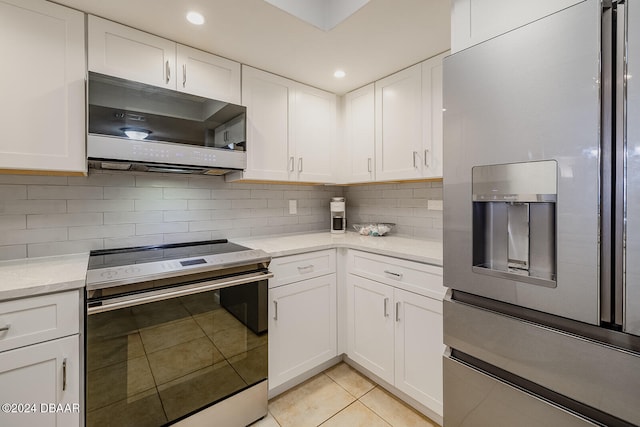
156 357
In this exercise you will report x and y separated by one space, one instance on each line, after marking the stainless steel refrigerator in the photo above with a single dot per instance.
542 223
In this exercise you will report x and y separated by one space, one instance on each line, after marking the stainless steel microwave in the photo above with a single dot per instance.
134 126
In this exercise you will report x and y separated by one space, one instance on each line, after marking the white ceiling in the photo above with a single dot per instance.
382 37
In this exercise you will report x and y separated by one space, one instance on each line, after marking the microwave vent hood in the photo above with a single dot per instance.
134 126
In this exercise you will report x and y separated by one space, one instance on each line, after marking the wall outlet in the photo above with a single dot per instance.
293 207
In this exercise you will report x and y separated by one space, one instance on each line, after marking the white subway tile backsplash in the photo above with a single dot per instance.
57 192
61 248
110 210
13 252
33 206
222 224
13 192
161 205
283 220
101 231
99 205
132 193
63 220
434 205
33 179
104 180
132 241
267 194
249 203
172 216
187 237
161 228
187 193
163 181
231 194
13 222
141 217
209 204
37 235
249 222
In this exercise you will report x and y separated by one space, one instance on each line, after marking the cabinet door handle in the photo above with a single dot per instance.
369 164
64 374
306 267
386 313
5 328
184 75
415 164
291 162
168 72
397 312
426 155
300 164
391 273
275 309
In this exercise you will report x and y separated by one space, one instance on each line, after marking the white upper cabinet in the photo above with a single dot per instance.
474 21
291 129
201 73
432 140
314 134
359 110
266 97
131 54
42 82
399 125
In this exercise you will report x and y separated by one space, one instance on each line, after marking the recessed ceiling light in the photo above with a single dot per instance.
195 18
339 74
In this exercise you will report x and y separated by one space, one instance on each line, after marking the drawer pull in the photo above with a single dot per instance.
64 374
386 313
306 268
5 328
391 273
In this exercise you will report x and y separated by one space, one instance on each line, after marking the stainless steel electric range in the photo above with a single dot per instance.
176 334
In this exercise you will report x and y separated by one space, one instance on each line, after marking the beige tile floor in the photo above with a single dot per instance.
340 397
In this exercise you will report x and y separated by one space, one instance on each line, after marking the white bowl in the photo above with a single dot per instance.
374 228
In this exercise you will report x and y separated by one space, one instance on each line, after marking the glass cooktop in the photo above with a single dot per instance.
107 258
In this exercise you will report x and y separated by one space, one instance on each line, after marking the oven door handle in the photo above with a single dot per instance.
165 294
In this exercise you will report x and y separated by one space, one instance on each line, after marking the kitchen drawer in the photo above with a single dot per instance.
40 318
408 275
294 268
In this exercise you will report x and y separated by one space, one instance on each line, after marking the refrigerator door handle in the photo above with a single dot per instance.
620 160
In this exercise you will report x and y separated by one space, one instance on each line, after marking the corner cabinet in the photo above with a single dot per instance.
291 129
408 125
302 314
121 51
40 360
474 21
394 323
359 111
42 82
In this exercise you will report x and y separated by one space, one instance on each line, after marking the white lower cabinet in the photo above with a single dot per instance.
371 325
396 334
302 319
40 384
40 364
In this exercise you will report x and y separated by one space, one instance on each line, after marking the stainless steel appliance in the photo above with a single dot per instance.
542 223
134 126
338 207
175 335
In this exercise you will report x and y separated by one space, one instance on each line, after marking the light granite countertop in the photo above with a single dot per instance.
420 250
34 276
